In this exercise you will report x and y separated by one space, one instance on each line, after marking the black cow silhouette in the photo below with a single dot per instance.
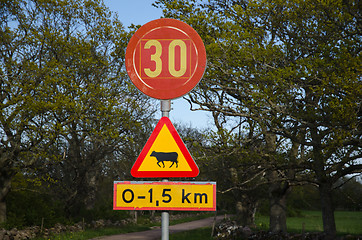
165 157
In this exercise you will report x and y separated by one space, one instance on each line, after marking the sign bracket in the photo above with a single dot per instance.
165 108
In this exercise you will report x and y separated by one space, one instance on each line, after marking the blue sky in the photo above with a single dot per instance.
140 12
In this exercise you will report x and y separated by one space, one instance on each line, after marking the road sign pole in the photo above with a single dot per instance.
165 108
165 219
165 222
165 225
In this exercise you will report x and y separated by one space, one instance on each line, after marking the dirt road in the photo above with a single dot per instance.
155 234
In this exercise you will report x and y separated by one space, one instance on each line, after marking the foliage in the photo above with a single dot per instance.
28 207
304 197
67 109
31 205
290 72
283 85
351 191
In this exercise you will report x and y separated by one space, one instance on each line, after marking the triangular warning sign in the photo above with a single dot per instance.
164 155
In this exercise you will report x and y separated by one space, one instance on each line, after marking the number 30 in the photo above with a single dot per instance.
156 57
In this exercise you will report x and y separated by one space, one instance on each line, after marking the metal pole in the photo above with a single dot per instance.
165 109
165 222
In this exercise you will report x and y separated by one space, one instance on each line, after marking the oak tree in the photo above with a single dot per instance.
293 68
66 105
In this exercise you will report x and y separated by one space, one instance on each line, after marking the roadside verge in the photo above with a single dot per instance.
155 233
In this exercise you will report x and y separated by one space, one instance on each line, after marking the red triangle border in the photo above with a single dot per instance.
164 174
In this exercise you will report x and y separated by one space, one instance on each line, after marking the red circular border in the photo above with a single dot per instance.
190 83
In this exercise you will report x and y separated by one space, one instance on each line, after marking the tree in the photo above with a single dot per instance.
65 104
244 165
294 69
233 98
24 117
89 144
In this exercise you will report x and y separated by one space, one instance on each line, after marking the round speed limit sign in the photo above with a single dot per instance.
165 58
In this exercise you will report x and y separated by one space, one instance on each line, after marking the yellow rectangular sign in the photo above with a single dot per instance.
182 196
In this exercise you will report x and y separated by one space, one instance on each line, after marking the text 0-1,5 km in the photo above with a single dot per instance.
185 196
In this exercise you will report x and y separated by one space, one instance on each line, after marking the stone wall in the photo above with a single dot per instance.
32 232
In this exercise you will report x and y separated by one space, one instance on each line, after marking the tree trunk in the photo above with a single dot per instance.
329 225
245 204
278 216
2 210
278 192
325 187
5 185
245 212
91 190
278 189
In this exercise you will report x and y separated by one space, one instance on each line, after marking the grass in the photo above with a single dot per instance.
191 218
311 221
349 222
197 234
346 222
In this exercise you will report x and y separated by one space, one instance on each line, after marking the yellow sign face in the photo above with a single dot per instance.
183 196
164 155
164 143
